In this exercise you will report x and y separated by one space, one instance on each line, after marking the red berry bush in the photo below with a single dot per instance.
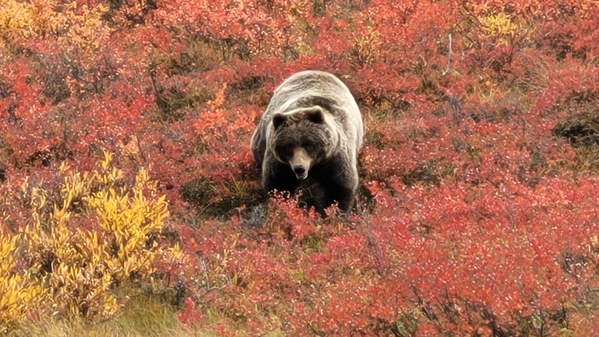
477 210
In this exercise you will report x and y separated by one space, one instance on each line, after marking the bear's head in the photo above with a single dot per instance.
302 137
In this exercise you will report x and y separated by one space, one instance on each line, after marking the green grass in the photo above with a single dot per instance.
143 315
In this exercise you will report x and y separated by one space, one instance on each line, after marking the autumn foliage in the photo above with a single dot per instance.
125 164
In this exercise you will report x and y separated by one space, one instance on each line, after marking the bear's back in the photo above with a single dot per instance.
313 87
305 84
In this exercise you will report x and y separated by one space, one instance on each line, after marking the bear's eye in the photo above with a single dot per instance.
307 144
284 152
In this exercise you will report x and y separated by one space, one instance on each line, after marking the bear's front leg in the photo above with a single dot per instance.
342 185
328 184
278 176
343 195
322 195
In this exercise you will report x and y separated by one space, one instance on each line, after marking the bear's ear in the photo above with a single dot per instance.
315 116
278 120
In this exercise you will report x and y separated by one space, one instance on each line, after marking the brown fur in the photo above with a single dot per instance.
308 140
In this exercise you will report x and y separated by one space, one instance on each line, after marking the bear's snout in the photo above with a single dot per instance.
300 172
300 163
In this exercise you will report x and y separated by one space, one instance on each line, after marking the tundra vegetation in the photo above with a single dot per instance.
130 204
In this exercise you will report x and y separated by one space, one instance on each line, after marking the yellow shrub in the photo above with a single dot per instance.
366 48
82 27
500 25
18 294
82 239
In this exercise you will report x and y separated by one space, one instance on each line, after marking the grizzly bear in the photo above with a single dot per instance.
308 139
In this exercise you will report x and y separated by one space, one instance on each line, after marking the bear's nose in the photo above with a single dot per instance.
299 170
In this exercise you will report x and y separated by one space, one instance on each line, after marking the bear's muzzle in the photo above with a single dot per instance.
300 163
